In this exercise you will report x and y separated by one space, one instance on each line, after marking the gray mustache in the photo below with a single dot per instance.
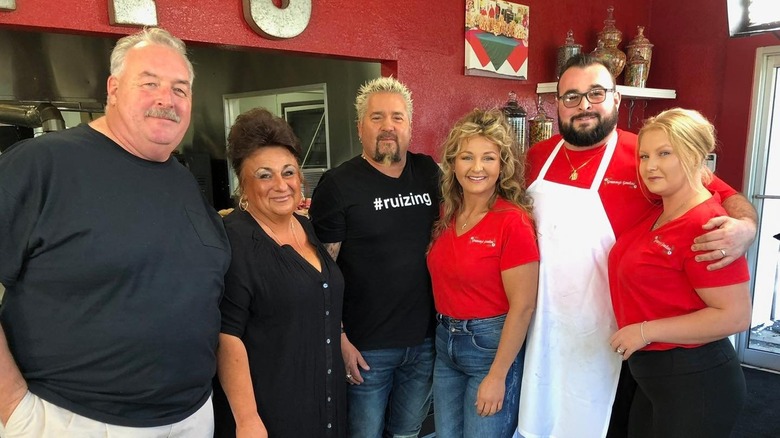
163 113
387 137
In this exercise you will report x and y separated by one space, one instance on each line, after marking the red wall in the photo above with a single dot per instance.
421 43
711 72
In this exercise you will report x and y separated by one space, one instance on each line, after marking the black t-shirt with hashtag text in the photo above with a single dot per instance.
384 225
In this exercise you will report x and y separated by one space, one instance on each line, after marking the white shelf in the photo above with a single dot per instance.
626 92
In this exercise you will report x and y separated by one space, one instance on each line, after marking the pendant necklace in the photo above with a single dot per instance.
466 222
574 175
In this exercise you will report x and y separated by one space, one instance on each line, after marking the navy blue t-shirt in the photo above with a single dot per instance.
114 267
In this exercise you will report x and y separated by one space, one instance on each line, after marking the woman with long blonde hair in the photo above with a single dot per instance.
484 267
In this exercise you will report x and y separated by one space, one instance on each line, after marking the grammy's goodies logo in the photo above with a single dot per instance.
478 241
668 248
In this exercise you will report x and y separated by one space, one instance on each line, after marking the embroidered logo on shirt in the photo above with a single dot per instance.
663 245
610 181
491 243
402 201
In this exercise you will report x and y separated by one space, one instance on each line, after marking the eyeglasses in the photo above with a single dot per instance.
594 95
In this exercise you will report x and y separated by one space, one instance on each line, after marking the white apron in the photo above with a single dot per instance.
571 373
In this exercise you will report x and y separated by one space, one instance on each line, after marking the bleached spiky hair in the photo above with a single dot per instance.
382 85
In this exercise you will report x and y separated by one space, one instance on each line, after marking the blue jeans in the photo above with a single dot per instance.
395 395
465 350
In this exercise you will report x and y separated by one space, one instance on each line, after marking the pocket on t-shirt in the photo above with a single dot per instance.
206 229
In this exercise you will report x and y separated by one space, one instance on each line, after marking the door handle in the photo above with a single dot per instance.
766 196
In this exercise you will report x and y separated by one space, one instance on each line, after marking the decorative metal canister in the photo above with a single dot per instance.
636 71
607 46
516 116
641 44
540 127
566 51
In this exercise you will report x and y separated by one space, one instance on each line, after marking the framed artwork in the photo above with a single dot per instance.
496 39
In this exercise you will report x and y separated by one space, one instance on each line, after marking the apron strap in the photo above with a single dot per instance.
543 172
605 160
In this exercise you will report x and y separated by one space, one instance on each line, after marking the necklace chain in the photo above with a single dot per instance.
274 236
574 175
671 216
466 222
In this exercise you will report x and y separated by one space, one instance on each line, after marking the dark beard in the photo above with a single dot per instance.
592 136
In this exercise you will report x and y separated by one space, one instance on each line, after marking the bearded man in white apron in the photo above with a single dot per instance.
586 192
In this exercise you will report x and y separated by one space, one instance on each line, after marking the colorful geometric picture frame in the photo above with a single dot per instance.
496 39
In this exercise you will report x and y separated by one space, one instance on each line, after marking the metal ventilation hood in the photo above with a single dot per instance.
42 115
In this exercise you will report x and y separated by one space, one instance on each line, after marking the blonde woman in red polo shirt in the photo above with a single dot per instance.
674 314
484 268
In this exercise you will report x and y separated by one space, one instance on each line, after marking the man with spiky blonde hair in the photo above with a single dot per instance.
374 214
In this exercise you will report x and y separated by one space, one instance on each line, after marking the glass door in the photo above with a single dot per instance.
760 346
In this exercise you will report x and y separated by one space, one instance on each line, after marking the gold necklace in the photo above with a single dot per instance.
466 222
574 175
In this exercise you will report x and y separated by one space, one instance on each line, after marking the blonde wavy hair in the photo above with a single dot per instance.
493 126
691 136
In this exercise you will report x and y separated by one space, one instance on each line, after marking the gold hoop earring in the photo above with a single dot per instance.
243 204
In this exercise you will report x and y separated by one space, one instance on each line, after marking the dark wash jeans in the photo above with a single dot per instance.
395 396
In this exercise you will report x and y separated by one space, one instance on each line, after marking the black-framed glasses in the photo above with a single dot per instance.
594 96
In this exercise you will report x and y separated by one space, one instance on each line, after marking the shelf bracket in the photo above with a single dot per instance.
631 103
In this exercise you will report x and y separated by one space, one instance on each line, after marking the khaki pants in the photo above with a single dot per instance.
37 418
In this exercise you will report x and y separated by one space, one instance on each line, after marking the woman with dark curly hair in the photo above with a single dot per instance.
279 356
484 267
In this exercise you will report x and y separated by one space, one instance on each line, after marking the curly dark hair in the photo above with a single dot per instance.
256 129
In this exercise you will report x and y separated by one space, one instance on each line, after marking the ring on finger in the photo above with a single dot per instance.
620 351
723 251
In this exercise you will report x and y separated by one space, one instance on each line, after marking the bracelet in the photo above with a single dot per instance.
642 332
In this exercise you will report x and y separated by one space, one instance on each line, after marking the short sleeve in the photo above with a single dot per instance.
519 242
327 211
237 299
720 187
699 277
21 200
